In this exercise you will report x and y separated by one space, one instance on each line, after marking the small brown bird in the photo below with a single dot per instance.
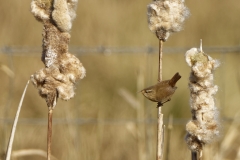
162 91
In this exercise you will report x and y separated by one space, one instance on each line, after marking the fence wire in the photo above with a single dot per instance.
76 129
91 121
77 50
28 51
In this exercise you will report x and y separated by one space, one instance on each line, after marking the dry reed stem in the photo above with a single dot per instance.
135 103
230 136
141 116
160 61
194 156
238 154
9 149
129 98
170 127
160 135
30 152
49 133
7 70
160 131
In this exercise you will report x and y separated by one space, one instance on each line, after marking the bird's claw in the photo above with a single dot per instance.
159 104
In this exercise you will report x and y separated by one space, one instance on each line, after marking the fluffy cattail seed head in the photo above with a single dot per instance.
166 17
194 144
62 69
204 126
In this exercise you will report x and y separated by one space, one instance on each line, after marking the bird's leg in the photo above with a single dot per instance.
159 104
167 101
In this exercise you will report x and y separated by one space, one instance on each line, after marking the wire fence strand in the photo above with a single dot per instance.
85 121
31 51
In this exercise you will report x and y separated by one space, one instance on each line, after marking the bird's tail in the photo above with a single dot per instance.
174 79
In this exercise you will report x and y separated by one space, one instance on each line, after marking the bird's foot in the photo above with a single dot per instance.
159 104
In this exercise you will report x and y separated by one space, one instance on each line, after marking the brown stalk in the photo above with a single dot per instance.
194 156
160 61
160 130
49 133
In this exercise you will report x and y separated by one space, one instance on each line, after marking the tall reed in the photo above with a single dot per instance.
164 17
204 126
62 69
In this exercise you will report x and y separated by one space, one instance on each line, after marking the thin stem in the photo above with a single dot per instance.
170 127
10 143
49 133
194 156
160 130
140 116
201 45
160 61
9 97
160 135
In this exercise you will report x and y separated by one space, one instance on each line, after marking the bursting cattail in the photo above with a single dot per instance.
204 126
62 69
166 17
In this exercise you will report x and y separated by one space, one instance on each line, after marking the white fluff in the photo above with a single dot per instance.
204 128
166 17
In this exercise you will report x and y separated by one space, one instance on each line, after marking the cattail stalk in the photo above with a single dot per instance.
62 69
194 155
160 135
160 131
164 17
204 126
49 133
160 61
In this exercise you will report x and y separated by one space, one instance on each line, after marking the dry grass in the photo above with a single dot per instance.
114 23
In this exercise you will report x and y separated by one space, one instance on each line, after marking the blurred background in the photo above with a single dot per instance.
108 118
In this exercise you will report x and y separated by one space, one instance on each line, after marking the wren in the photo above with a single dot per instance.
162 91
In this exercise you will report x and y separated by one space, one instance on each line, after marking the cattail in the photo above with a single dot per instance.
62 69
204 126
166 17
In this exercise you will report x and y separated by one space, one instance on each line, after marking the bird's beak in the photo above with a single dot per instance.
140 91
